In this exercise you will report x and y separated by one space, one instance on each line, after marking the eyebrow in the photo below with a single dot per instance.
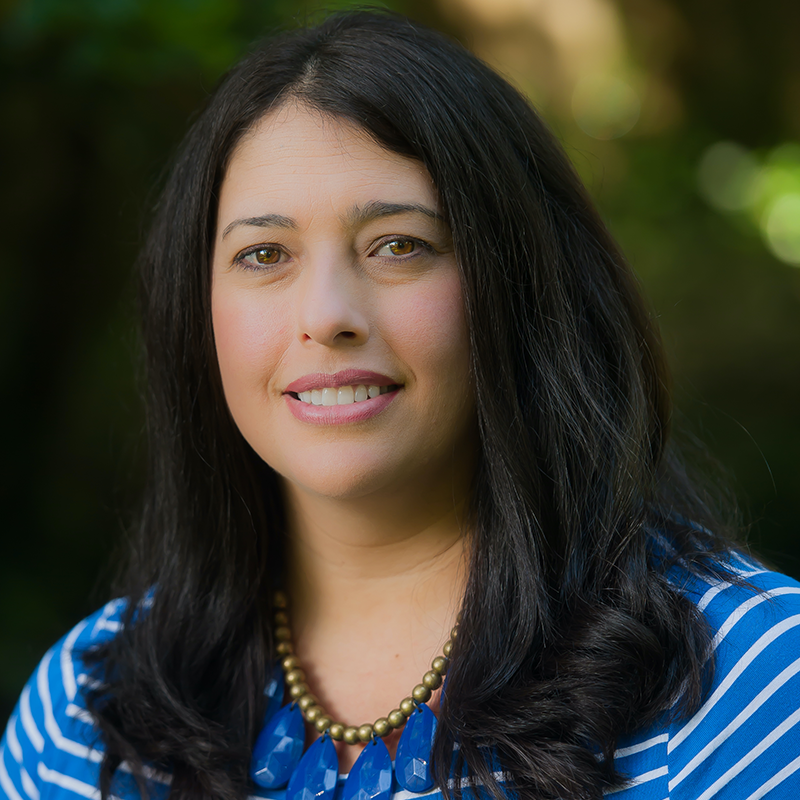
359 215
265 221
377 209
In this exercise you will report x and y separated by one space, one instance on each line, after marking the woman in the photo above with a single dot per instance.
398 370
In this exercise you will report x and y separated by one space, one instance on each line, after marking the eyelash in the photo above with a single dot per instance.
423 248
241 258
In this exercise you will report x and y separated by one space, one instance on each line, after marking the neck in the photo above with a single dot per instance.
386 557
375 585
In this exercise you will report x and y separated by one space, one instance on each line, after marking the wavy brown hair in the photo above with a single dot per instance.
571 636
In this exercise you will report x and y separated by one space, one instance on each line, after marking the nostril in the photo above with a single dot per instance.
347 334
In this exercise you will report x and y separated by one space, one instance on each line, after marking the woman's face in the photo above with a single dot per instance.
337 310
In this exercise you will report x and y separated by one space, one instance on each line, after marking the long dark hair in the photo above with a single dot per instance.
571 634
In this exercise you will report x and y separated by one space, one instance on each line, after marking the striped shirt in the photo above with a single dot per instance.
742 744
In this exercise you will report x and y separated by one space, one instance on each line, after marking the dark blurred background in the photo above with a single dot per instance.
683 116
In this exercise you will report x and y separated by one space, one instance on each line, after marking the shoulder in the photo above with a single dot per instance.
744 741
743 610
745 738
51 749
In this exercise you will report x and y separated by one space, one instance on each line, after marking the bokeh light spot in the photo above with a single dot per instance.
727 175
781 228
605 107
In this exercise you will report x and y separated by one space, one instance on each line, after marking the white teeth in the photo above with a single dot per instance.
346 395
342 396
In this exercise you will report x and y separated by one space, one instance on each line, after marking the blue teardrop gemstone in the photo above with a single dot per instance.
371 776
413 763
316 774
274 691
278 748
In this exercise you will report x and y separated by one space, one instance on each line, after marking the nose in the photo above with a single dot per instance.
331 305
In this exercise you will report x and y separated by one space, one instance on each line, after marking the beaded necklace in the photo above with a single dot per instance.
278 757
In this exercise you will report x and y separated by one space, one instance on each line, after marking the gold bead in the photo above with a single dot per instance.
440 664
350 735
421 693
454 632
432 679
280 600
459 616
397 718
283 634
289 663
336 731
284 648
295 676
280 618
298 690
312 712
381 726
306 701
364 732
447 649
407 706
322 723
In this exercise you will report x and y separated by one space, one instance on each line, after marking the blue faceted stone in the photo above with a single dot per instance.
371 776
278 748
273 691
316 774
413 762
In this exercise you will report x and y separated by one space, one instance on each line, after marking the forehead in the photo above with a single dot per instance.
296 153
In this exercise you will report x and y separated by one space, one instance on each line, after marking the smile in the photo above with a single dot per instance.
342 398
342 395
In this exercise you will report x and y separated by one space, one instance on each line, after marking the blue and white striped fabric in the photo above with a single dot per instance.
743 743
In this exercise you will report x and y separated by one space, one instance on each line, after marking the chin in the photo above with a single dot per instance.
340 489
344 480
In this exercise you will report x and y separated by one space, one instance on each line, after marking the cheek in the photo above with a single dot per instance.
431 323
247 333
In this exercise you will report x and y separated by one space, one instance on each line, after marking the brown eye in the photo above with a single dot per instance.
268 255
261 256
401 247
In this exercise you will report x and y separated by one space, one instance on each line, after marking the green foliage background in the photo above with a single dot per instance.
96 95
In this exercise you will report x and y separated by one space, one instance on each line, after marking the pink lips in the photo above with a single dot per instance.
338 415
347 377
